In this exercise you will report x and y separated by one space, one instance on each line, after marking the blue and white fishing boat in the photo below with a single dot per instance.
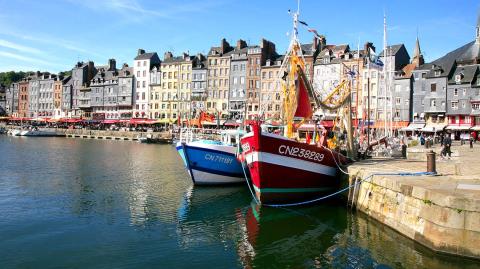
209 161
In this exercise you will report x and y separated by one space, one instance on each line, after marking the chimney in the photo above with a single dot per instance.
90 71
112 65
185 56
167 55
367 46
224 45
140 52
241 44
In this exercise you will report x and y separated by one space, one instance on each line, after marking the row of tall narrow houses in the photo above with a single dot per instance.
446 91
241 81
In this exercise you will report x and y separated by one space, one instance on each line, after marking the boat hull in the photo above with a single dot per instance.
211 164
285 171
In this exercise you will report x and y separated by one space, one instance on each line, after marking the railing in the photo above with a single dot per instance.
193 134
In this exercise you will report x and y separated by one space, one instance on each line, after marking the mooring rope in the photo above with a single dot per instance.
332 194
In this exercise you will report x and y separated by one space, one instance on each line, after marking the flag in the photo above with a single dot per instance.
302 22
304 109
317 35
308 139
374 59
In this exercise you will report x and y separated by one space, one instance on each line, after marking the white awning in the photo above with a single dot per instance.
458 127
433 127
475 128
413 127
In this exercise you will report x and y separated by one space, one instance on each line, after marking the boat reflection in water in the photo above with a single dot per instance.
208 216
285 238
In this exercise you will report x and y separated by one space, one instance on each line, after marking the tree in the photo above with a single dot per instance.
7 78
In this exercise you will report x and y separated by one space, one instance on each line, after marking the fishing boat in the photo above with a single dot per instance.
283 169
211 161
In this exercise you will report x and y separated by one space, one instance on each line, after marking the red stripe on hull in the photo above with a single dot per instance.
267 175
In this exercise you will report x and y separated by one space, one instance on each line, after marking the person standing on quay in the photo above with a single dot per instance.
447 142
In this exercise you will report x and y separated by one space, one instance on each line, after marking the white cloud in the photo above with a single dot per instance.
134 11
27 59
18 47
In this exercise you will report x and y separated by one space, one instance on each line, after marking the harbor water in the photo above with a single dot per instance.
75 203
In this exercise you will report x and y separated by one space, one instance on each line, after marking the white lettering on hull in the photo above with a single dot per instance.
219 159
301 153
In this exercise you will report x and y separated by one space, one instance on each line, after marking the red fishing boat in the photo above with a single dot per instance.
282 169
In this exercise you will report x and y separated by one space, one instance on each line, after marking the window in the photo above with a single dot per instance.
464 92
454 105
433 87
398 101
242 80
144 84
433 103
476 106
455 92
144 73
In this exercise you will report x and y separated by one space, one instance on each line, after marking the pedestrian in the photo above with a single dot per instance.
447 147
471 142
422 140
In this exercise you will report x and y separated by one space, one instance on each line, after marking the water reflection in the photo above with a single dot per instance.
283 238
73 203
208 215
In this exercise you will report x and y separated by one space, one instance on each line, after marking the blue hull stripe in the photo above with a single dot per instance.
211 150
213 161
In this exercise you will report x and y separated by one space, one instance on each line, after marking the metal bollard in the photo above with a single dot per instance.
431 166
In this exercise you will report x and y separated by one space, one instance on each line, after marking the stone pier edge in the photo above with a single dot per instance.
443 223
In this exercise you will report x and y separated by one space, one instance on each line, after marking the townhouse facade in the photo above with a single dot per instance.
12 99
142 65
271 90
199 83
218 65
170 70
155 92
238 83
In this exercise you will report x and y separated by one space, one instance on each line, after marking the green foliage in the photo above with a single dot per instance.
7 78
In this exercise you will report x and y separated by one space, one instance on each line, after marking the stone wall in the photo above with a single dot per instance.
436 218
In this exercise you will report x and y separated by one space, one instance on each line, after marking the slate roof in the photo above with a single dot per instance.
146 56
467 72
393 49
66 79
175 59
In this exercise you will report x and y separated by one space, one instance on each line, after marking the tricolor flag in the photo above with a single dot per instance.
374 59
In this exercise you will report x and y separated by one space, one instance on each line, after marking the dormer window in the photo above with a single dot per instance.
458 78
437 73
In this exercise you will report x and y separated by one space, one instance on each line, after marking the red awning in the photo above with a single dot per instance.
69 120
110 121
327 123
142 121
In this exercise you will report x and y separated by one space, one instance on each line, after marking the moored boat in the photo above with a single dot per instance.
211 162
284 170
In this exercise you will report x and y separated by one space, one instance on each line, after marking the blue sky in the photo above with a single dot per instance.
51 35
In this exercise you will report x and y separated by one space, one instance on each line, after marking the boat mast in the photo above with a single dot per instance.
385 84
